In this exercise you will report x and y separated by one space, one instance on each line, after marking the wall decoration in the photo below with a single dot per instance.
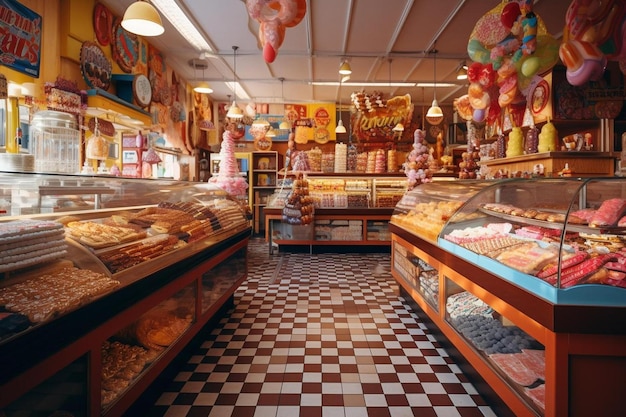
594 33
157 73
102 23
142 90
124 47
20 38
95 66
274 120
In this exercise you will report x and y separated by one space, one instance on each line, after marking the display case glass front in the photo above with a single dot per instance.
560 238
416 271
54 260
425 209
65 393
130 351
512 353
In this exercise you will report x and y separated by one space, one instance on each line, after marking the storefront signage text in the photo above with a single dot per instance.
20 38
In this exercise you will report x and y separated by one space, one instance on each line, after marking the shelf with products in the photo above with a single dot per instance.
330 227
158 285
592 154
525 288
349 209
264 178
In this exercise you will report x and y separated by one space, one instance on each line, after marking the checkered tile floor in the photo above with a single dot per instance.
321 335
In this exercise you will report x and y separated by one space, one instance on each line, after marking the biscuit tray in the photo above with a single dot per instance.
601 232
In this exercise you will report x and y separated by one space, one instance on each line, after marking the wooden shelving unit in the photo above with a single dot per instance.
264 168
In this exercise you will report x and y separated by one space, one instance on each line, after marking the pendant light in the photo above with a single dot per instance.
399 127
344 68
284 125
203 87
434 114
340 128
461 73
261 123
141 18
271 133
234 112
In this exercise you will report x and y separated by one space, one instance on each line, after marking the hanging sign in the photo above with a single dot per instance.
20 38
376 118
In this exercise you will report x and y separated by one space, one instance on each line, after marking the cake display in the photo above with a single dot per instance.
229 178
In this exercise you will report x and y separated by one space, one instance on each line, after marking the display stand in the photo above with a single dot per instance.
547 345
369 224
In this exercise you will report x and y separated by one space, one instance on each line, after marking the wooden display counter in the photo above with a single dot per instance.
585 360
583 164
370 224
68 351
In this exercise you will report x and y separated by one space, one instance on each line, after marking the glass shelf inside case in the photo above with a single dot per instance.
560 238
418 273
510 351
131 351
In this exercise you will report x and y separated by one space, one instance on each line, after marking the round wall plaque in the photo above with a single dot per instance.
142 90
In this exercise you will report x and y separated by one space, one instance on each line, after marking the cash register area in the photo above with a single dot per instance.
318 335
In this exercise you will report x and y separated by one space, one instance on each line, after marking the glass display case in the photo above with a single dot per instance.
102 268
426 209
25 194
547 235
350 209
524 277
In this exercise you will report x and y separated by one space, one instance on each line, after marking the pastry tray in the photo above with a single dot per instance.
580 228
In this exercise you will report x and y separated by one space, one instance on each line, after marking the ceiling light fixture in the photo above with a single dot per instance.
261 122
141 18
187 29
234 112
434 114
203 86
461 73
340 128
284 125
271 133
344 68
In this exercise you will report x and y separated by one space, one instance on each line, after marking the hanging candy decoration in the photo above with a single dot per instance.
275 16
595 31
512 35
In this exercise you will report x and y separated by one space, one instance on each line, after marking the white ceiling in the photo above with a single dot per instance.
383 39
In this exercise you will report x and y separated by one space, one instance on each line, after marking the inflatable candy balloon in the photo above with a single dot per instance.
595 31
463 107
479 115
274 17
530 66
